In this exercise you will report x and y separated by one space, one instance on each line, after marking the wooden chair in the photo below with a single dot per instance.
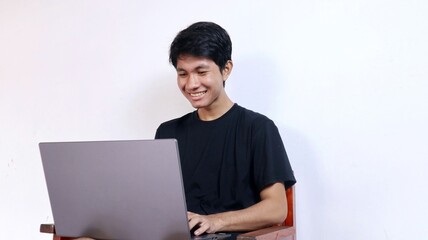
284 231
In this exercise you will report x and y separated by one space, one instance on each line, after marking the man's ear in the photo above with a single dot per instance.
227 70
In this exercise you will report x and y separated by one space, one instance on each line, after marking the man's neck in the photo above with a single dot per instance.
214 112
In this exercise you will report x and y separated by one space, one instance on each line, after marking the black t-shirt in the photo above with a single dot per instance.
228 161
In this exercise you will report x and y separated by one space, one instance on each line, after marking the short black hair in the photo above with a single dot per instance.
202 39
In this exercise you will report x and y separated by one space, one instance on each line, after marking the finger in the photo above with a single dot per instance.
194 221
202 229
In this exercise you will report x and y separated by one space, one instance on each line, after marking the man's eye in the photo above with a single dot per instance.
202 73
182 74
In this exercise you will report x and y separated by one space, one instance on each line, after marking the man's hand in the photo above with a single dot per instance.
272 209
203 223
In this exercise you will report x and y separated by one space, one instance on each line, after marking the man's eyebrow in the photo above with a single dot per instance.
202 68
199 67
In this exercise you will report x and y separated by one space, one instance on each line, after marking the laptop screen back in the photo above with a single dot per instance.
116 189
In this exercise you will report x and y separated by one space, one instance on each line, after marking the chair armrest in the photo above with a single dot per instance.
47 228
50 228
270 233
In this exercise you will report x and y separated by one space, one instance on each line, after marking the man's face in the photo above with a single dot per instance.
201 81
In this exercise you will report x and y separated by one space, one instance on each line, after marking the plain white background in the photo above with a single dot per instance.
346 82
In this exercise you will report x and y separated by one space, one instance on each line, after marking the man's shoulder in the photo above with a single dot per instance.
252 116
176 121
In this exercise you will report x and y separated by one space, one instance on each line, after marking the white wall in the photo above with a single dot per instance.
345 81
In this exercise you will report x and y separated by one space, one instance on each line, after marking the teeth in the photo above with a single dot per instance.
197 94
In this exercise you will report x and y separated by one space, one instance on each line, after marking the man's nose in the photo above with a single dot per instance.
193 81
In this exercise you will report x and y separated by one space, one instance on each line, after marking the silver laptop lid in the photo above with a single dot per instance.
116 189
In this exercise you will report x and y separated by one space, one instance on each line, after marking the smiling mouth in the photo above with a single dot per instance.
198 94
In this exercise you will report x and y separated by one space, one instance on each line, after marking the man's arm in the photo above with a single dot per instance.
272 209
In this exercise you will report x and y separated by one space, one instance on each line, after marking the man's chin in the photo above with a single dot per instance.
197 105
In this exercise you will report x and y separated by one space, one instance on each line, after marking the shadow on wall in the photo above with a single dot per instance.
254 83
159 101
309 187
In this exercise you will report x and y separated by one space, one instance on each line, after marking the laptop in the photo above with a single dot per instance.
123 190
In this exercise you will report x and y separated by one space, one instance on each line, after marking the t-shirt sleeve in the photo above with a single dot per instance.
165 130
271 164
158 132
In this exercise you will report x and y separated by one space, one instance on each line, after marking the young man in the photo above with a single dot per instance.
235 168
